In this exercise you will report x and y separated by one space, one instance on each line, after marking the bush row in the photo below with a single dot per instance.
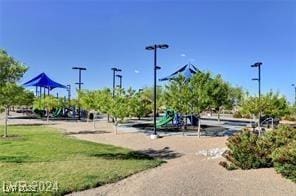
276 148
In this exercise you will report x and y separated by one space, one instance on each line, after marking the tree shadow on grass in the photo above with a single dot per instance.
86 132
148 154
11 138
28 125
13 159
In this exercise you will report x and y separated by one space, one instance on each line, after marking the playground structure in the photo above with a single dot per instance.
175 119
44 85
179 120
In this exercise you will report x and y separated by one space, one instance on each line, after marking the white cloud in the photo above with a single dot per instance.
137 71
183 55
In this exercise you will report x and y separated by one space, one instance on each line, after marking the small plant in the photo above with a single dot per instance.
284 159
244 151
237 114
275 148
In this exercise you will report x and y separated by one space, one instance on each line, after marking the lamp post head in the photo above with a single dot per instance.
150 48
115 69
163 46
258 64
80 68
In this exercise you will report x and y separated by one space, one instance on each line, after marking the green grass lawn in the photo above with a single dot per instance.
38 153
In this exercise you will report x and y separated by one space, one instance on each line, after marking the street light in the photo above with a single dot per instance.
120 80
258 65
154 48
295 93
79 87
114 69
69 92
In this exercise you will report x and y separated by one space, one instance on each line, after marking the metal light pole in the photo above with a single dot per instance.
79 87
294 93
36 91
258 65
120 80
69 92
114 69
154 48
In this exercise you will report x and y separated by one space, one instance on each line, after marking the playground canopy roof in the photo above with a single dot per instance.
42 80
187 71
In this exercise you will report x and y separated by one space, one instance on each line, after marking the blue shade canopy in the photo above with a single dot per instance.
187 71
42 80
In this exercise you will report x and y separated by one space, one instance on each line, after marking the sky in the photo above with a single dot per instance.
222 36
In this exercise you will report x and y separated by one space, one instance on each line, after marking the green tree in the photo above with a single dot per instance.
219 94
26 98
104 100
236 96
90 100
200 85
138 105
48 103
189 96
10 96
148 96
178 96
119 106
11 71
270 104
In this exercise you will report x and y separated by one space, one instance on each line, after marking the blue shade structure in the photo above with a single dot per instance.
42 80
187 71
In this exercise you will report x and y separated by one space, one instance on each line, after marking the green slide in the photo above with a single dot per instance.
166 119
58 112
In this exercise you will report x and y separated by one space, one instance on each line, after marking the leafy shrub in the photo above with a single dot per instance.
244 151
290 117
280 137
247 150
237 114
284 159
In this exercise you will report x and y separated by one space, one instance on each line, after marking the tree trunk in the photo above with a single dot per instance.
219 115
198 129
6 122
94 122
47 118
116 124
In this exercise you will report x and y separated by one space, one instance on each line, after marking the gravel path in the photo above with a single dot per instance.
185 172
